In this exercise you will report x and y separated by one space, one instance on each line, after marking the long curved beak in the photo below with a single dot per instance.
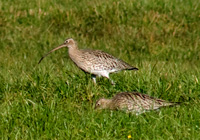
59 47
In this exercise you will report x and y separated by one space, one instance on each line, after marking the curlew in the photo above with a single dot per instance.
133 102
95 62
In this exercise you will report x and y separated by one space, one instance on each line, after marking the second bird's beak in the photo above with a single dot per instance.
59 47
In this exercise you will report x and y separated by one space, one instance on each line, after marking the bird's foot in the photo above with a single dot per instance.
94 80
112 82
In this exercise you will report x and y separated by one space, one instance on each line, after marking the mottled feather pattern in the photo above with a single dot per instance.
133 102
100 60
95 62
146 101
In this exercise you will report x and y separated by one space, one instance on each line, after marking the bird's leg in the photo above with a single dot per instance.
94 78
112 82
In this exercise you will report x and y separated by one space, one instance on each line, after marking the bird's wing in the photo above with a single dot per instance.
149 102
107 61
143 101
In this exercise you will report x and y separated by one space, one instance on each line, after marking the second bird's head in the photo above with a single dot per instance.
102 103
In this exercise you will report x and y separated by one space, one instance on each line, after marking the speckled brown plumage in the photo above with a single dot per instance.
95 62
132 102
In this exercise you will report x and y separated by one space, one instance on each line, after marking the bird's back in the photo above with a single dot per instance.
99 60
137 102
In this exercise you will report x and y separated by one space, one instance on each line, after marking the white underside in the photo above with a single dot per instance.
104 73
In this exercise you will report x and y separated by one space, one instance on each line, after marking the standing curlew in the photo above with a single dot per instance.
95 62
132 102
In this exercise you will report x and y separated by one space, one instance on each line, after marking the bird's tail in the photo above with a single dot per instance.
133 68
172 103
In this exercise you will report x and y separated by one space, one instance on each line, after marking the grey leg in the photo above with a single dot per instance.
112 82
94 79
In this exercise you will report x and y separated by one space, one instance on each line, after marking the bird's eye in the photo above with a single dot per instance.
67 41
98 104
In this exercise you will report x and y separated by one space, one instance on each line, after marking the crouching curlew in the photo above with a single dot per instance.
132 102
95 62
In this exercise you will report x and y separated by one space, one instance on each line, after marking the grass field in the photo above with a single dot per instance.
160 37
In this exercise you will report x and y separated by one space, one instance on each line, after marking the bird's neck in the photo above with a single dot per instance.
108 103
74 52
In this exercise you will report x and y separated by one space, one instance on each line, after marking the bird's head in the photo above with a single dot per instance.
102 103
70 43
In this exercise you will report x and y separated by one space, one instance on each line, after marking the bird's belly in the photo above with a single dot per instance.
99 73
95 68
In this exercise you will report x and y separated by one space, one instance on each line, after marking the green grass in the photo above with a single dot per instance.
160 37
